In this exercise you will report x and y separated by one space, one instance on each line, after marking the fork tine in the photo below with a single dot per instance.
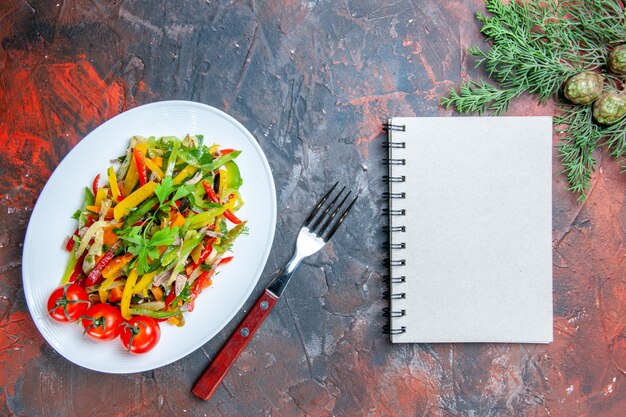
326 210
324 226
317 207
341 219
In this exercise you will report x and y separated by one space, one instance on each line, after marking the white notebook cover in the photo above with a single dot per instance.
478 229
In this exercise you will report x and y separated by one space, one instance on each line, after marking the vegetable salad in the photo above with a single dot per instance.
152 237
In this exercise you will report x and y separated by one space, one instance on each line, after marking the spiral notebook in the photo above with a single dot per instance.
470 229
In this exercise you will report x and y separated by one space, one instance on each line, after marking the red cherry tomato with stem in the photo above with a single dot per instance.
102 322
140 334
68 303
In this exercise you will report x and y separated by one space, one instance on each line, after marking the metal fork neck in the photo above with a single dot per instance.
279 283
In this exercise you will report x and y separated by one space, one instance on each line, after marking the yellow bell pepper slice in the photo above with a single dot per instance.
188 171
134 199
131 280
214 148
144 282
196 252
115 190
100 196
154 168
132 177
158 161
223 179
142 147
230 204
104 287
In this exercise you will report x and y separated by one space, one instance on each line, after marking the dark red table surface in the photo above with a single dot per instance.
312 80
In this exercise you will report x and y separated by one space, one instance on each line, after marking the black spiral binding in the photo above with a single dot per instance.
387 312
388 178
394 229
387 195
388 126
390 212
391 161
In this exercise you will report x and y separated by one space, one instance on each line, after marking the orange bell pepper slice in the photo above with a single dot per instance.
109 235
116 264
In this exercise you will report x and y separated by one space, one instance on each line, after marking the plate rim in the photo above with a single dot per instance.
273 212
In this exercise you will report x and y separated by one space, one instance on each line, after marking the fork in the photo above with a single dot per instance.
316 231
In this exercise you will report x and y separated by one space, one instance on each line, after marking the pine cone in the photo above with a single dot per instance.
583 88
609 108
617 60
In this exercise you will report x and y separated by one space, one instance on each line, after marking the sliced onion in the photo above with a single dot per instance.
195 179
211 257
194 275
88 235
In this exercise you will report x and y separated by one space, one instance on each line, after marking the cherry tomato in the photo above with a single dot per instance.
140 334
102 322
68 303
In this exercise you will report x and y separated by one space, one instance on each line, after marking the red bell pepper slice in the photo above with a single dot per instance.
80 282
225 260
141 166
170 296
230 216
94 186
95 276
226 151
199 284
78 269
69 246
206 251
210 192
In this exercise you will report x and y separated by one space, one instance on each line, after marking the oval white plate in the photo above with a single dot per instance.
44 259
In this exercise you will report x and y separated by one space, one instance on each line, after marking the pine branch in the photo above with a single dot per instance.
480 98
535 46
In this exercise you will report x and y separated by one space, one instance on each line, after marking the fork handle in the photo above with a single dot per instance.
215 373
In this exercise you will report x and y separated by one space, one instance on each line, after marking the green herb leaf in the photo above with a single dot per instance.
153 253
223 226
164 189
182 191
164 237
131 235
142 262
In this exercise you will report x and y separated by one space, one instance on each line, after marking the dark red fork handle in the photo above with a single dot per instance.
215 373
